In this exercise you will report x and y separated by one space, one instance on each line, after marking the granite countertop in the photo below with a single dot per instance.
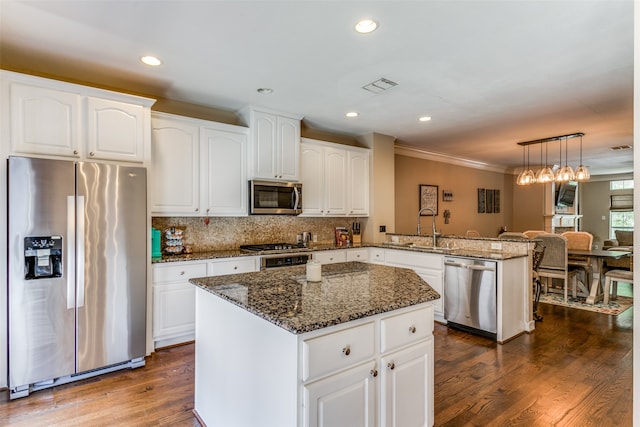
348 291
469 253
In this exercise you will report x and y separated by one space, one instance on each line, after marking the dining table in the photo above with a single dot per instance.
596 258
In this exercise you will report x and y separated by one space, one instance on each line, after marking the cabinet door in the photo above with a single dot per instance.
361 255
175 168
115 130
264 128
288 149
173 310
435 279
342 400
407 387
335 176
358 182
224 172
312 178
45 121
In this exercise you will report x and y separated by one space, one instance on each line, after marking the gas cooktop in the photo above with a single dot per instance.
266 247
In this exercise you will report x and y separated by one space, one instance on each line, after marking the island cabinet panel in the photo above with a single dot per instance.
339 350
252 372
347 399
406 377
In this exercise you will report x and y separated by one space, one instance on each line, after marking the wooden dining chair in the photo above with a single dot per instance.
531 234
612 277
581 264
554 263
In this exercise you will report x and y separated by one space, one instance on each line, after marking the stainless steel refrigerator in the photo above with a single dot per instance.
77 249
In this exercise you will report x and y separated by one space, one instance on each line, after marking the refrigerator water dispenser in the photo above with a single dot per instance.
42 257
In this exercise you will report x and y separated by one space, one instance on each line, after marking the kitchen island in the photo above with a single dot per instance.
275 350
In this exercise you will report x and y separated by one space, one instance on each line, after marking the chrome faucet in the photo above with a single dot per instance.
433 223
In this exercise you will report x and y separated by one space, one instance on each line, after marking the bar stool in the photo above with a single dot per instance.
612 277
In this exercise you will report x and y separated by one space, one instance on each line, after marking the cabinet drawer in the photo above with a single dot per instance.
232 266
176 273
358 255
333 352
413 259
406 328
330 257
376 256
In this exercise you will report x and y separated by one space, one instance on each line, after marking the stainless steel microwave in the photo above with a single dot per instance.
275 198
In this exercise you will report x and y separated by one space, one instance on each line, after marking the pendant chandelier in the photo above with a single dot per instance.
545 174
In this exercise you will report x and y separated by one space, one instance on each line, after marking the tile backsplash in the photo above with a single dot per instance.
227 233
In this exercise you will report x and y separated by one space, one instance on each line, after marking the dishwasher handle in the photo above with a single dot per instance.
448 263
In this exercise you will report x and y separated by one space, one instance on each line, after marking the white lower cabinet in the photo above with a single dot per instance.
361 254
174 297
330 256
428 266
375 371
402 364
174 302
406 381
346 399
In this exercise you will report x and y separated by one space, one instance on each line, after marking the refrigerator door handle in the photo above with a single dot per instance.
80 251
69 255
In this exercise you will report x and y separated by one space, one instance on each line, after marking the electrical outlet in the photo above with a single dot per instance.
496 246
383 228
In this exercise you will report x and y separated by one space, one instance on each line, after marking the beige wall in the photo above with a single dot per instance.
528 207
463 182
382 194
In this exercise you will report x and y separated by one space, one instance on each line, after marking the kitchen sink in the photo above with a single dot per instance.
436 250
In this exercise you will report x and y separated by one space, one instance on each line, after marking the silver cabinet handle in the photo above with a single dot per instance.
374 373
391 366
75 151
182 273
235 268
412 329
92 154
346 350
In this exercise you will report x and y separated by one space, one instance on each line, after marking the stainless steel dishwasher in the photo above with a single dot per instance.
470 295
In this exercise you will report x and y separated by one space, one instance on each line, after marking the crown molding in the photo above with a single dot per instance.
404 150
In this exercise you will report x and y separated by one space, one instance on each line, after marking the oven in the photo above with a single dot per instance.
273 255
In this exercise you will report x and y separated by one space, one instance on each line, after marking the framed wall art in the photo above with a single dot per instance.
428 199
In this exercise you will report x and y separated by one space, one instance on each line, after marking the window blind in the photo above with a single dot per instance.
621 202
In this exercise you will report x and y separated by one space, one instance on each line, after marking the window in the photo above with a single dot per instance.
621 207
626 184
620 221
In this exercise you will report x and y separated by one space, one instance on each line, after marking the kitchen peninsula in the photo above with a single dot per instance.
273 349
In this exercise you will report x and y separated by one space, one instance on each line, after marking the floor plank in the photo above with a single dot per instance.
574 370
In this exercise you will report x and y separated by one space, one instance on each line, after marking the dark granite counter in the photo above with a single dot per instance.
469 253
348 291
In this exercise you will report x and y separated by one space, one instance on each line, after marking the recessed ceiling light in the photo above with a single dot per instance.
351 114
265 90
366 26
151 60
425 118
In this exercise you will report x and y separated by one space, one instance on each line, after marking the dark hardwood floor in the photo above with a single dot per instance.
574 370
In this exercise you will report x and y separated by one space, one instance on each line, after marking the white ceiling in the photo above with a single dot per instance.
490 73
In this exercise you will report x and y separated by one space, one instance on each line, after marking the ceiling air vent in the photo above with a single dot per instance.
620 147
379 85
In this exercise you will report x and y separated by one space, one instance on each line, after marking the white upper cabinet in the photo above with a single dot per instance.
116 130
274 151
45 121
358 181
199 167
335 179
175 167
53 118
224 157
